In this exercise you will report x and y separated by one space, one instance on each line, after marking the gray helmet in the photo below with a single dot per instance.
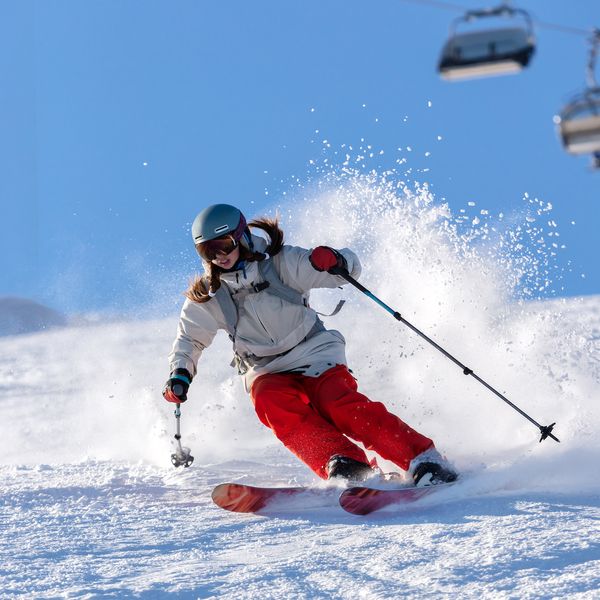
216 221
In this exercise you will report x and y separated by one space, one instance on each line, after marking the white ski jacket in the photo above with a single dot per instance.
274 335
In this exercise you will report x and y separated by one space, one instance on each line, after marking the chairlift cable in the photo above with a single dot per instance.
440 4
563 28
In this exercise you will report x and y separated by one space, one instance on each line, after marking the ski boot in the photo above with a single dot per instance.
431 468
342 467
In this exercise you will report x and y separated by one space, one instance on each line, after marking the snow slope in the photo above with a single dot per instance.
92 508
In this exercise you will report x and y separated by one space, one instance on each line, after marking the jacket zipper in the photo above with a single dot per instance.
255 314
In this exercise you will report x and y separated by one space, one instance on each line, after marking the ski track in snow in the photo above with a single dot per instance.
109 530
92 508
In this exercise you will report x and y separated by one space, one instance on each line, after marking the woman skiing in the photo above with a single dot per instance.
294 368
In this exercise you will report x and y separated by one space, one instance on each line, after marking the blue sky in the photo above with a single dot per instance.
121 120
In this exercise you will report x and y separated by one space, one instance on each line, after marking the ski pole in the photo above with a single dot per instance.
545 430
181 456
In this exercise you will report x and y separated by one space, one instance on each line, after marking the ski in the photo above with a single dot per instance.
238 497
242 498
365 500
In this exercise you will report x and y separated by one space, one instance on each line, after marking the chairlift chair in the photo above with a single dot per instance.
487 52
579 121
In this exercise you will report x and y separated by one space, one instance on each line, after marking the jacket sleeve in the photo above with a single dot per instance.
195 332
297 272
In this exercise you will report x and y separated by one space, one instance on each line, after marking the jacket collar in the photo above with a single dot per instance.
247 272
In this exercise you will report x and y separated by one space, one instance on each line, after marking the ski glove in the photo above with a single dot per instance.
177 386
324 258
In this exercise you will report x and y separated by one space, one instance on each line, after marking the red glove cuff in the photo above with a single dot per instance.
171 397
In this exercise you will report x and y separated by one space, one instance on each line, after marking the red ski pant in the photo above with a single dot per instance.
314 417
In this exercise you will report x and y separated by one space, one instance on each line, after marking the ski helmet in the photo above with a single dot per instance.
216 221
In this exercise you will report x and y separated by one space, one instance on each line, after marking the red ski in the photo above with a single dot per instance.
365 500
238 497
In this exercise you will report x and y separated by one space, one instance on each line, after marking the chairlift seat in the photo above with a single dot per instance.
486 52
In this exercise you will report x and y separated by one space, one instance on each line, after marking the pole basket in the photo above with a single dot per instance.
182 458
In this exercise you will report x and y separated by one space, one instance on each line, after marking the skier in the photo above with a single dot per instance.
293 367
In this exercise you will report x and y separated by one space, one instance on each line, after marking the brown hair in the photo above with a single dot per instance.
198 290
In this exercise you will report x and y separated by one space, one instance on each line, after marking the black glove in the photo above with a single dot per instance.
324 258
177 386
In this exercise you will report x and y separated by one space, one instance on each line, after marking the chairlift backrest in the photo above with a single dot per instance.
487 51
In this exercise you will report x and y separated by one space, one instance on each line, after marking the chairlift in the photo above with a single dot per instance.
579 121
488 52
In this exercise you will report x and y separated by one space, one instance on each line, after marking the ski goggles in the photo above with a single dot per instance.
223 245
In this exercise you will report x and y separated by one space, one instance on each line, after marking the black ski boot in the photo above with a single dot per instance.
431 468
429 473
343 467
